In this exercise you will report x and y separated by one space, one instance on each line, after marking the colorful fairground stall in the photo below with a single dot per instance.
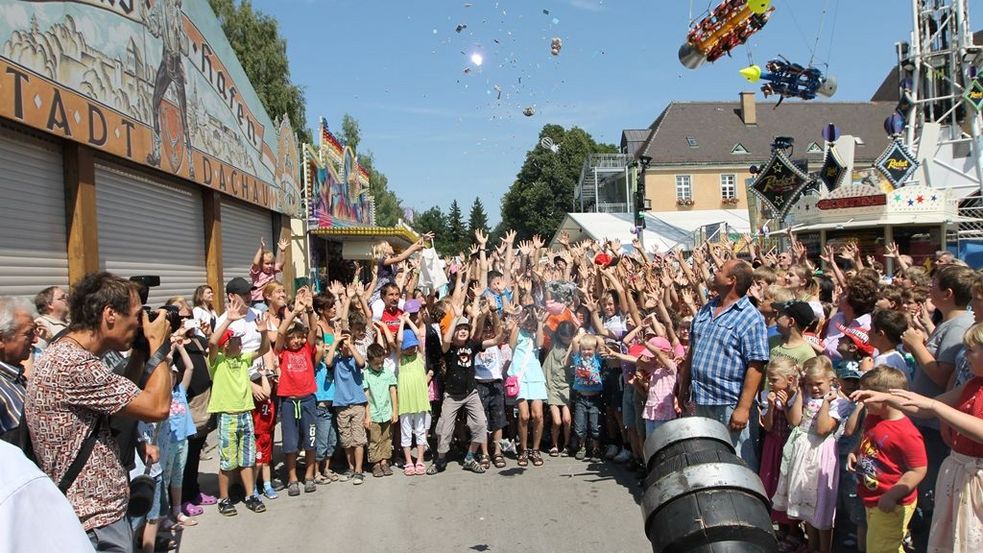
341 225
871 206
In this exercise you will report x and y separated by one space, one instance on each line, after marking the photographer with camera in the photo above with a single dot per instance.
72 394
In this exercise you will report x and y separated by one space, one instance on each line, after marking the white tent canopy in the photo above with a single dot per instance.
663 229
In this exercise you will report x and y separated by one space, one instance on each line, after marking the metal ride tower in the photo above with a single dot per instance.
934 71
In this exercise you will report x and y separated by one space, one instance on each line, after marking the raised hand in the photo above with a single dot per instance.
481 237
564 238
509 237
262 242
537 242
237 309
283 244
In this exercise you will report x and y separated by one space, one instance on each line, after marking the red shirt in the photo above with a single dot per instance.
391 319
888 449
971 401
297 372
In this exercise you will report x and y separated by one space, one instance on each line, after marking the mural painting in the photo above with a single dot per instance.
154 82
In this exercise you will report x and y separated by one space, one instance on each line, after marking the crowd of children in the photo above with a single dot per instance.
528 352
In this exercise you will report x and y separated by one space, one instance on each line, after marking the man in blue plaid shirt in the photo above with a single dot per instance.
727 356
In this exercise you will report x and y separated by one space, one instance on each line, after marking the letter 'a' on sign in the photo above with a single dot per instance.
896 163
974 95
779 184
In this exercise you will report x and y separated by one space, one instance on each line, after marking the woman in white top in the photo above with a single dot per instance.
204 310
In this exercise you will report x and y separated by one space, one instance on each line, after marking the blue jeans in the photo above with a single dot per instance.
587 417
326 436
745 441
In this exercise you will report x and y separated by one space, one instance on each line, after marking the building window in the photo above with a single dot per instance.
728 187
739 149
691 141
814 148
684 188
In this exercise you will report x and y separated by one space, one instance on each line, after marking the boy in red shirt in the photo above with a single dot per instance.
298 407
890 463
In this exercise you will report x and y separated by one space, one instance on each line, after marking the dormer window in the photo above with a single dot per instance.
814 149
739 149
692 142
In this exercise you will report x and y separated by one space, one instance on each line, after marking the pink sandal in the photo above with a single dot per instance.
409 470
191 509
421 469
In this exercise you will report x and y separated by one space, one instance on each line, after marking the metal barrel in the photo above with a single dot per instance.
699 496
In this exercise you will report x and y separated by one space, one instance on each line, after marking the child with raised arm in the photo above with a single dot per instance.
297 352
957 521
526 341
231 399
890 463
350 403
264 269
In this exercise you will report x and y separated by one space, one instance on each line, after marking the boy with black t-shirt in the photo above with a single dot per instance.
460 391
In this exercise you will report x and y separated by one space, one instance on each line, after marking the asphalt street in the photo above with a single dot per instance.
563 506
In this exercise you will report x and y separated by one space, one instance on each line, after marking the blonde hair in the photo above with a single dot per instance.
590 339
381 249
884 378
782 366
268 255
780 294
817 367
270 288
973 336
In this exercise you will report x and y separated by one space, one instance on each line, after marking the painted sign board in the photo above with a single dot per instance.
152 81
337 185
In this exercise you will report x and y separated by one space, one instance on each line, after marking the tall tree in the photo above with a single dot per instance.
388 208
351 133
543 190
262 52
477 219
457 234
433 220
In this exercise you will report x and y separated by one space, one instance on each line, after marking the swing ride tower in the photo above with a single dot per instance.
935 70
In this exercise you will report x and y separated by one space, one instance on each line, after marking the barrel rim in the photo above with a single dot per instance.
686 428
708 476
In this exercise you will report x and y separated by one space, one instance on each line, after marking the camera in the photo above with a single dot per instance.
172 313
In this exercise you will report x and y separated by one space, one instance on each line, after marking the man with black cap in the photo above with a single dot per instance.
249 326
794 318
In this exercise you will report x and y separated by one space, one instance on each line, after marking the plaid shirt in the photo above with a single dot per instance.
722 347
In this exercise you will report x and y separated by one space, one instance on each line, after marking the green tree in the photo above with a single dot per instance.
544 188
457 234
351 133
388 208
477 219
262 52
433 220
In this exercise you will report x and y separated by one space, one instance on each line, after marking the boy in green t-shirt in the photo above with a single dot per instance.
794 318
380 388
232 401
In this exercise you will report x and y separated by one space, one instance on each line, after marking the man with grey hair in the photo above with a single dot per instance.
17 335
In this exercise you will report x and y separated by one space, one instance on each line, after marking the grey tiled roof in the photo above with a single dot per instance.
716 128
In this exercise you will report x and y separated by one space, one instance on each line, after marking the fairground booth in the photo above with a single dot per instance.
132 141
871 206
341 211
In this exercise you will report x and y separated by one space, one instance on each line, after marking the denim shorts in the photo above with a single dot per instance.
492 394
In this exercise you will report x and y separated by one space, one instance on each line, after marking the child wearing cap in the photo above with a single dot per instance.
854 349
231 400
657 368
412 396
794 318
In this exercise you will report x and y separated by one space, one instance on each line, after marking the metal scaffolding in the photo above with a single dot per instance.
604 185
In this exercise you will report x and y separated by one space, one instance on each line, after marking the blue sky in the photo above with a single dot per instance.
440 134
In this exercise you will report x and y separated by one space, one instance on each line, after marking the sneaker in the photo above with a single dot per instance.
581 454
255 504
611 452
226 508
507 446
474 466
269 492
346 476
293 489
358 478
310 486
622 456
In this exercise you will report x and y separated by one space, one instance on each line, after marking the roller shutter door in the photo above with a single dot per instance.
33 248
242 225
147 227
